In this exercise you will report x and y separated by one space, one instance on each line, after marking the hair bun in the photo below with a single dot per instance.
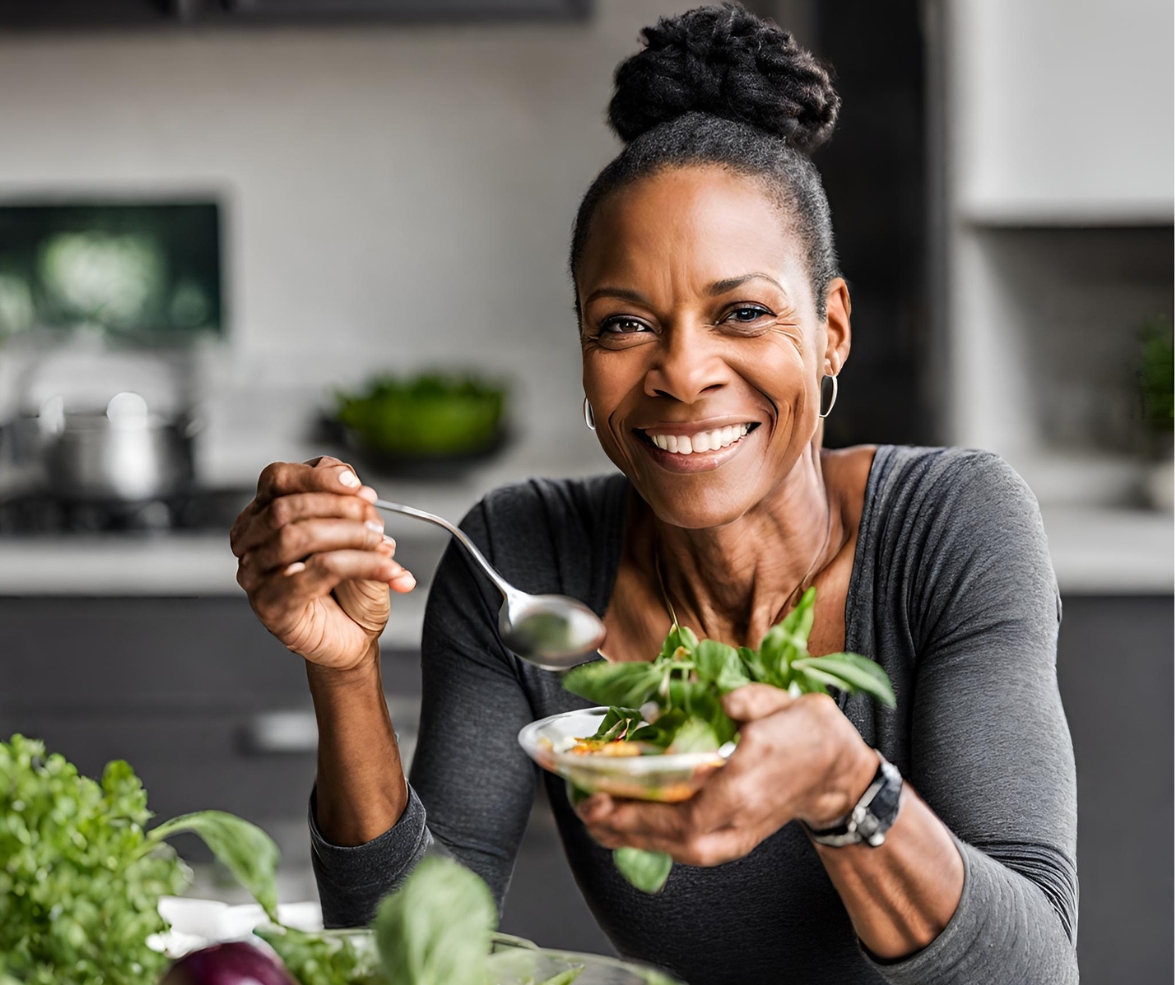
725 61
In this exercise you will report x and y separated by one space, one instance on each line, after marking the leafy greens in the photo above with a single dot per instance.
82 875
674 702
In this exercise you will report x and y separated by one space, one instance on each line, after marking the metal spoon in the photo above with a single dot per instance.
550 631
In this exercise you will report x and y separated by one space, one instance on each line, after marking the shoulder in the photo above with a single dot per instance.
958 518
947 483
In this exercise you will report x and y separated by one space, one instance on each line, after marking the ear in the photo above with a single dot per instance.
838 330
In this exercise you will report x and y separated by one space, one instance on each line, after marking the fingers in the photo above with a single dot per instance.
297 541
254 530
668 828
324 474
754 701
291 588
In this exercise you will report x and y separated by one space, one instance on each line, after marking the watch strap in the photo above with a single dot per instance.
871 817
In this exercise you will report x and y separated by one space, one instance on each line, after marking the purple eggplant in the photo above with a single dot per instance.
236 963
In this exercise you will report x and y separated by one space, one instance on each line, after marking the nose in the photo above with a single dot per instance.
687 364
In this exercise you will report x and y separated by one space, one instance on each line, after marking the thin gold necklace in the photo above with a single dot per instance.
788 602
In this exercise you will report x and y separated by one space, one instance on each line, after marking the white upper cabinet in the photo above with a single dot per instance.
1061 111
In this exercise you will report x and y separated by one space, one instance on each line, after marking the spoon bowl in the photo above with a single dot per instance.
553 632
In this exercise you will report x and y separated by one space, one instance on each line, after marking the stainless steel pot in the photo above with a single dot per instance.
122 454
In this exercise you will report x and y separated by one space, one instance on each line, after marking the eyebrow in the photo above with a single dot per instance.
617 292
730 283
714 290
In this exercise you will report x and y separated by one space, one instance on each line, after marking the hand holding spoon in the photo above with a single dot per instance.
550 631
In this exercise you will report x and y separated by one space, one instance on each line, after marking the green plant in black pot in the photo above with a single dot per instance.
402 423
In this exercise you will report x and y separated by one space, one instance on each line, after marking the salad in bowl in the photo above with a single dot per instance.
661 730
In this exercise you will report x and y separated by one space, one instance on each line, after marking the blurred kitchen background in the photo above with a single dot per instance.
270 229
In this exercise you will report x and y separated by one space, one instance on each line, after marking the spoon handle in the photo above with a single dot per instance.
500 583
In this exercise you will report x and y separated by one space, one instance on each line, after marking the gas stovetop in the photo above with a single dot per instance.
41 513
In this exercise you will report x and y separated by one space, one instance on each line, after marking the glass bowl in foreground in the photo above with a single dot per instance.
665 777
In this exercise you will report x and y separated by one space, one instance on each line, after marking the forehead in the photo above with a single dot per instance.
692 225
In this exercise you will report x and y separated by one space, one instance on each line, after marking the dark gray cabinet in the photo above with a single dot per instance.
209 709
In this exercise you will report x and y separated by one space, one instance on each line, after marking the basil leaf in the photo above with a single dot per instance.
437 927
662 731
648 871
617 724
798 622
680 637
854 673
244 849
719 664
694 735
626 685
776 653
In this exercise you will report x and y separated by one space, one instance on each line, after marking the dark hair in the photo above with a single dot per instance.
718 85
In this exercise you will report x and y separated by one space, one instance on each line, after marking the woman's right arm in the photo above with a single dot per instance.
316 565
321 586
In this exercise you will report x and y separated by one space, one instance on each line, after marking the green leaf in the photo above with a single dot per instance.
853 673
625 685
663 730
247 851
798 623
648 871
776 653
436 929
618 723
318 959
694 735
719 664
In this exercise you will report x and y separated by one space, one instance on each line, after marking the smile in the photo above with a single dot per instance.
701 441
682 448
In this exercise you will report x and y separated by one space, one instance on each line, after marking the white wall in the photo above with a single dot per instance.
396 197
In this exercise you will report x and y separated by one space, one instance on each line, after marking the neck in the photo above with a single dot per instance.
734 582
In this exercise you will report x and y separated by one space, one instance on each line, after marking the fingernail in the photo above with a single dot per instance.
349 479
406 579
390 541
375 526
295 568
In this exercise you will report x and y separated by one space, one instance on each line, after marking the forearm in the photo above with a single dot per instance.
901 894
361 789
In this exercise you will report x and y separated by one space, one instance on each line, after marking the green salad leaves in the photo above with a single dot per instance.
82 876
673 704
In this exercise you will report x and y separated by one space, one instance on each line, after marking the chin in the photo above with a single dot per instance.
697 502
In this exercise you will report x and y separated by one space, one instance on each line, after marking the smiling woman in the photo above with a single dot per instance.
714 323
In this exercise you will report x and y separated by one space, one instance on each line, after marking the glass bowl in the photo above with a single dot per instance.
515 961
669 778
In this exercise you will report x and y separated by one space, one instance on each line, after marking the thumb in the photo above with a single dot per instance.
752 701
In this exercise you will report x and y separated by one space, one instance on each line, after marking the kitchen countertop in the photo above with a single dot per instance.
1095 551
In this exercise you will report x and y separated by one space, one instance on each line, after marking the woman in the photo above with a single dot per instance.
714 323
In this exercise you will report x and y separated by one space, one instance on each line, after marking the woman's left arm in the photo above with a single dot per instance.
801 759
983 887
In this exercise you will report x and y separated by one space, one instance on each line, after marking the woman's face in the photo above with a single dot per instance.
702 349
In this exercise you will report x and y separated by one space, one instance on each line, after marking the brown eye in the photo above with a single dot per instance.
621 325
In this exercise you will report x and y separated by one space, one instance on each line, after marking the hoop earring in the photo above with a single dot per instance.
589 415
827 395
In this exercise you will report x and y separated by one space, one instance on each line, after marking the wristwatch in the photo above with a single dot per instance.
873 815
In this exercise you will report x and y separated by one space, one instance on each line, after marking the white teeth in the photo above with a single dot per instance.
703 441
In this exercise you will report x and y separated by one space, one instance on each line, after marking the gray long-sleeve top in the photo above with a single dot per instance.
952 592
